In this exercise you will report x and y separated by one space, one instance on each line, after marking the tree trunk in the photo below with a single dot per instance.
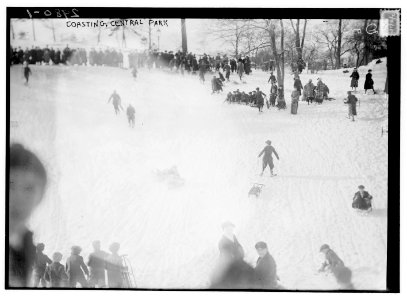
149 35
272 34
303 36
124 44
282 50
53 30
33 28
338 48
184 36
12 30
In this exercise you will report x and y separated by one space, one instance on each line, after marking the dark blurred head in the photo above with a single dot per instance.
27 181
40 247
57 257
76 250
261 248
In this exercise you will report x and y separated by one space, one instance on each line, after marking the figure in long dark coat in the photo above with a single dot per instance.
266 268
369 82
351 101
355 79
298 84
362 199
75 268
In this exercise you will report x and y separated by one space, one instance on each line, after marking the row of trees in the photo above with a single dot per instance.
288 41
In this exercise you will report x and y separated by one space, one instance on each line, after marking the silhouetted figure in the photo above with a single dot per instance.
75 268
96 263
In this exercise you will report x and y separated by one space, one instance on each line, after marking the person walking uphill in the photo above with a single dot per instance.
355 79
117 102
351 101
369 82
268 158
260 99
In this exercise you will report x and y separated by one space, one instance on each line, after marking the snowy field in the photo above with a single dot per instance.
103 183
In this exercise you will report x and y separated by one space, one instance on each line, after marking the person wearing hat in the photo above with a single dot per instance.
260 99
114 267
332 260
266 268
75 267
351 101
355 79
309 91
96 263
369 82
272 78
273 94
40 264
298 84
55 272
267 157
362 199
229 247
295 97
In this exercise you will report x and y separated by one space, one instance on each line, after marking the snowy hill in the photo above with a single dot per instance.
103 183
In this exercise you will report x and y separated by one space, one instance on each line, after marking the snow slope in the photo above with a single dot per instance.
103 185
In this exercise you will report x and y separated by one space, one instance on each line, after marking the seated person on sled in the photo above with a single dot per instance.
362 200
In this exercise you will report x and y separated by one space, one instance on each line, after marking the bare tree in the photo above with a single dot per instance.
184 36
299 42
124 28
49 23
232 32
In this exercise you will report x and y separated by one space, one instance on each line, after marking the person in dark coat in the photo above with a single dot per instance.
26 72
55 272
268 157
298 84
295 97
40 264
355 79
362 199
117 102
260 99
114 267
229 246
336 266
76 267
57 57
309 92
369 82
280 98
240 69
266 268
332 260
226 68
273 94
96 263
27 183
351 101
272 78
131 115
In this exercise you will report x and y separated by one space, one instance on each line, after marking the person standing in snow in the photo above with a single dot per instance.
26 72
355 79
114 267
280 98
369 82
309 92
40 264
298 84
55 272
268 158
240 69
273 94
131 115
260 99
266 268
75 268
117 102
351 101
96 263
229 247
272 78
226 68
295 97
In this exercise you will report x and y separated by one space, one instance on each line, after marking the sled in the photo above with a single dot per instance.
129 280
256 189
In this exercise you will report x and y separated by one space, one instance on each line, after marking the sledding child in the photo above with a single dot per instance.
362 199
351 101
55 272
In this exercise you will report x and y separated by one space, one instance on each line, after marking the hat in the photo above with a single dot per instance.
361 187
76 249
227 224
323 247
268 142
260 245
370 70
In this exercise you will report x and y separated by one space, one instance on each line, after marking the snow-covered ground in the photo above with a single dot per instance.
103 183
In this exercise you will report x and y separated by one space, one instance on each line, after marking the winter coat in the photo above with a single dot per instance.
351 101
265 272
309 90
75 267
355 79
332 261
40 263
114 268
298 85
268 151
362 201
368 82
21 262
230 250
55 274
